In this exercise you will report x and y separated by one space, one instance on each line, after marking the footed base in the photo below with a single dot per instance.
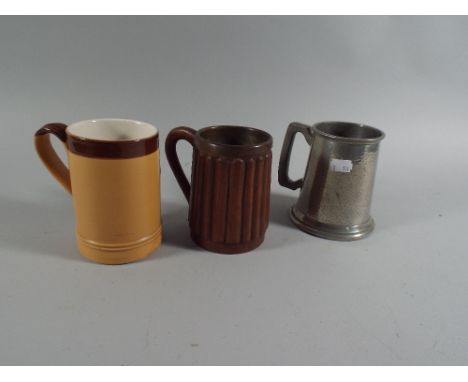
119 253
228 249
331 232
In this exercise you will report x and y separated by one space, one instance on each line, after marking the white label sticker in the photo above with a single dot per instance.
341 165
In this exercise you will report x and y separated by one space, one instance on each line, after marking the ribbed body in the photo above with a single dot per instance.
230 201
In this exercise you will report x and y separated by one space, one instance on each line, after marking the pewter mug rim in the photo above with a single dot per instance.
374 135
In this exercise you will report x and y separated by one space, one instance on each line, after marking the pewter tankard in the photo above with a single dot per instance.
336 190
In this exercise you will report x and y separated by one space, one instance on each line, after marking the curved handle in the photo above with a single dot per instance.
173 137
283 169
48 155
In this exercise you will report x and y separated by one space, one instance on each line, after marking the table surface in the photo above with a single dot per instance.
396 297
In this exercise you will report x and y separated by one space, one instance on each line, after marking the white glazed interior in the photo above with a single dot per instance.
112 130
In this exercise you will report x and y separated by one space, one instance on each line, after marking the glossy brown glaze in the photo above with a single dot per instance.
47 154
55 128
112 149
94 148
230 193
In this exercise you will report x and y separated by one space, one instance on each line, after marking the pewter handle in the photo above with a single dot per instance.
283 170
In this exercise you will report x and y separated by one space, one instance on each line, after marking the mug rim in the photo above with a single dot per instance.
112 148
129 121
359 140
267 141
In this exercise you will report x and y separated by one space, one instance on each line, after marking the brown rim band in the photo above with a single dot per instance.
101 149
112 149
233 141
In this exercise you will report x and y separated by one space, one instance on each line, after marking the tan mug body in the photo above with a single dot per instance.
114 180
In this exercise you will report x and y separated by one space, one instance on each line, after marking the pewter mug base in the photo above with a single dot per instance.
330 231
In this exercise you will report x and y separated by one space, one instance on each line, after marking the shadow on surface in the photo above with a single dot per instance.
39 226
279 209
176 232
47 227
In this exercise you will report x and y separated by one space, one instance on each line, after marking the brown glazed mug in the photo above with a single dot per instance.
113 177
229 196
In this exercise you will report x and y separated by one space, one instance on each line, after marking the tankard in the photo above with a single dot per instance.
229 195
336 189
113 177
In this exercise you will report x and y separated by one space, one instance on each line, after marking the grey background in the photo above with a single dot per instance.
398 297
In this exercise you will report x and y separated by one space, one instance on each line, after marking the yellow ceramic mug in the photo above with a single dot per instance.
114 178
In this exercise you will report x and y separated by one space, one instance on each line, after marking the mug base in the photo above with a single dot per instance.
228 249
329 231
118 254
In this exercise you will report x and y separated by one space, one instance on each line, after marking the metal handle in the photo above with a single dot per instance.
48 155
283 170
175 135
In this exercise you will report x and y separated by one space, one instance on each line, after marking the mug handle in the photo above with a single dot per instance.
173 137
283 169
48 155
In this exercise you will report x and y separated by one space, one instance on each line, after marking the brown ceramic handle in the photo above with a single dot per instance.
174 136
283 170
48 155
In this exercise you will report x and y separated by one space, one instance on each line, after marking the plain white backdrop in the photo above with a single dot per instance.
397 297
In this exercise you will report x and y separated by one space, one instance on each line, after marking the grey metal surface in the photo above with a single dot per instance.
336 190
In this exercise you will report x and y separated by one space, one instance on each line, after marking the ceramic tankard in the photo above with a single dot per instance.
336 190
229 195
114 180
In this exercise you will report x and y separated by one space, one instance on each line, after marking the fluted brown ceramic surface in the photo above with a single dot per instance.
229 195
